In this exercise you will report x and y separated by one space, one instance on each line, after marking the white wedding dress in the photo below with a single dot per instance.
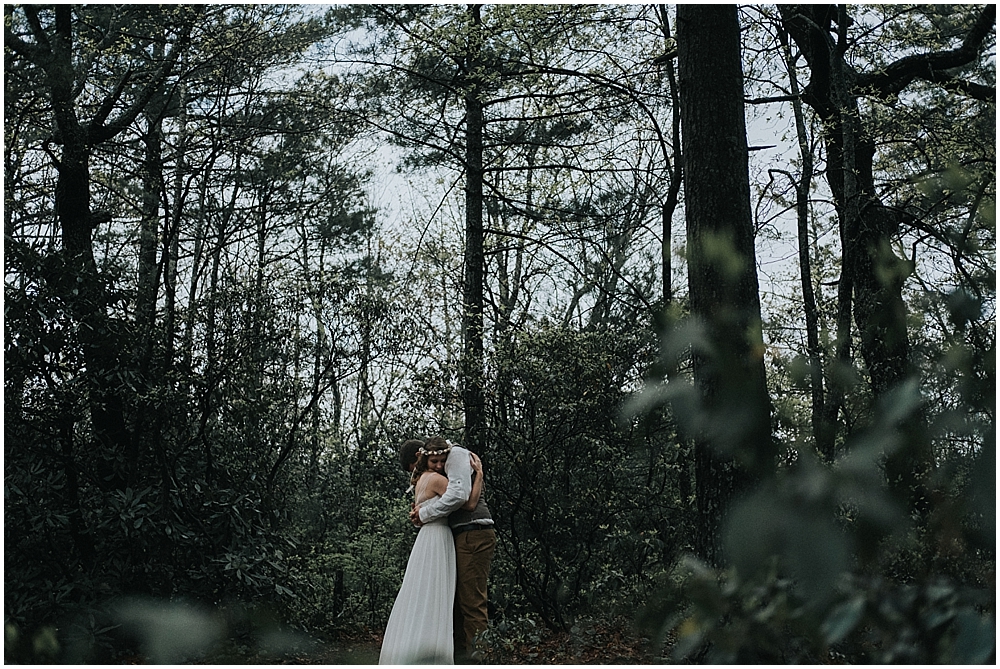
420 625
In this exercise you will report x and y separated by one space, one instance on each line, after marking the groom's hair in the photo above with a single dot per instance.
408 453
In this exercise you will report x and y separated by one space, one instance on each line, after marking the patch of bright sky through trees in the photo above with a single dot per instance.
429 202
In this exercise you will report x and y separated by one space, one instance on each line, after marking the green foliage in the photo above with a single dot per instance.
349 577
565 476
718 617
186 499
252 495
824 565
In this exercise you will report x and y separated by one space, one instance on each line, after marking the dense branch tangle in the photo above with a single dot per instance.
872 271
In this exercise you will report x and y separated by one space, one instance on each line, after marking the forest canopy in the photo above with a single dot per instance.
710 289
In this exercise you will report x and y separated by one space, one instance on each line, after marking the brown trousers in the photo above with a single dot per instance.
473 554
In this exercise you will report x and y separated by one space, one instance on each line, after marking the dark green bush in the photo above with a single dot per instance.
588 506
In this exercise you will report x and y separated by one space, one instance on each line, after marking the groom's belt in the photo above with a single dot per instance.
470 527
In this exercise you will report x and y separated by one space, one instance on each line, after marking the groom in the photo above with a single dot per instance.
475 541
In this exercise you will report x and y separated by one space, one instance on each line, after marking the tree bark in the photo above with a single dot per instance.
152 177
472 361
722 277
77 222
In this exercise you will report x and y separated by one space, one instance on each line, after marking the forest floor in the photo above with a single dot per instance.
589 643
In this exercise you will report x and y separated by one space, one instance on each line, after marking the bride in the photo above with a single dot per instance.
421 623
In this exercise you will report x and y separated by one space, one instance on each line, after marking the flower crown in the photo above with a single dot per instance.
443 451
427 451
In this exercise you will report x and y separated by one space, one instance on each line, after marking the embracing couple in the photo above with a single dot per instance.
441 605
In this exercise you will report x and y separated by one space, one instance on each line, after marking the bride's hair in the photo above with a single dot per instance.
433 446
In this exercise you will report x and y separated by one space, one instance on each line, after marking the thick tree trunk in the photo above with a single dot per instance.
53 51
145 309
722 275
171 247
472 362
77 222
149 418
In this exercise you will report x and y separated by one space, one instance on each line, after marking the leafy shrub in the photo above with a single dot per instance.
586 503
824 565
717 617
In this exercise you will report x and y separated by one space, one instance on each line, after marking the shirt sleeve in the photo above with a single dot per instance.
458 469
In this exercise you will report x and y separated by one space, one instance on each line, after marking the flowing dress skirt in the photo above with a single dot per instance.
420 625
